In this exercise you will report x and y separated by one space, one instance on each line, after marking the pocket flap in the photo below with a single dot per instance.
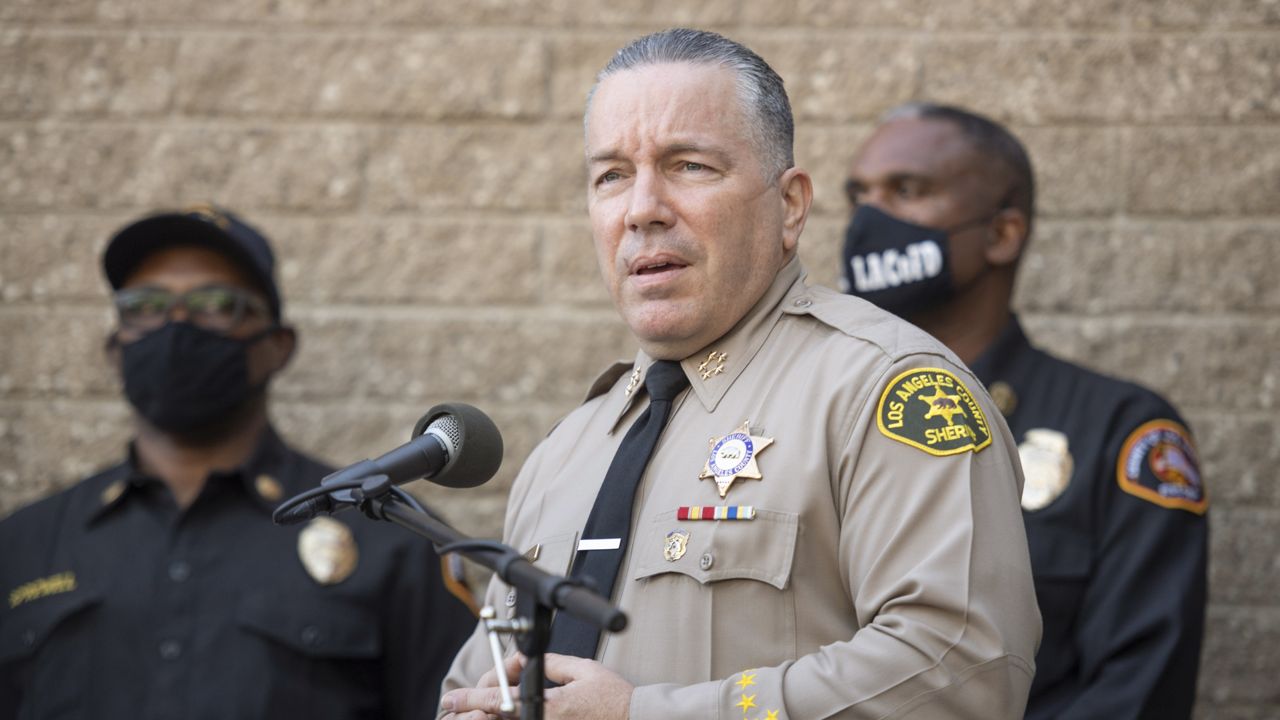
318 627
27 627
762 549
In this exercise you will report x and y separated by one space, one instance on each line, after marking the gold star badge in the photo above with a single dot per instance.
734 456
747 702
747 680
942 405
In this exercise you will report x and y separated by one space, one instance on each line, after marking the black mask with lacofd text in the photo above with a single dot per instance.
182 377
897 265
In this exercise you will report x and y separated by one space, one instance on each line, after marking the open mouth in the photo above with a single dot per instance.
656 268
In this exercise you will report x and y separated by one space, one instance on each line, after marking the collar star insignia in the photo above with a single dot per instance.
747 680
733 456
633 383
712 366
942 405
771 715
747 702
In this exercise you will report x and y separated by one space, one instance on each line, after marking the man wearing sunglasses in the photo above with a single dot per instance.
160 587
1113 501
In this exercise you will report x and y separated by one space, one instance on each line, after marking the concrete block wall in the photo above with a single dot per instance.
419 165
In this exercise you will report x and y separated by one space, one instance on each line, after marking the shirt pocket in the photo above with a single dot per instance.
309 655
44 653
729 587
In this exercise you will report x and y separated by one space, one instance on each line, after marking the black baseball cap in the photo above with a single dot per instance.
206 225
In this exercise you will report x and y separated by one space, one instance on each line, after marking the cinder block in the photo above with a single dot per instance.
528 167
1238 456
51 258
827 151
1201 15
399 260
56 353
474 356
1093 267
1201 364
74 75
843 78
1241 649
520 14
47 10
47 445
94 166
1079 171
1209 78
981 15
1246 555
1168 168
573 273
575 60
419 76
1041 80
185 11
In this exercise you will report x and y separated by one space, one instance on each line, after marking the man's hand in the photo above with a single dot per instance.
587 691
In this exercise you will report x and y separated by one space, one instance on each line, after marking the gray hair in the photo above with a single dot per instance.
989 139
760 89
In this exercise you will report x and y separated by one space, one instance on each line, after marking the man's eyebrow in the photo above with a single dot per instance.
604 156
669 150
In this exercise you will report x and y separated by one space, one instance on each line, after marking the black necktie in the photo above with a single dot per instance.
611 515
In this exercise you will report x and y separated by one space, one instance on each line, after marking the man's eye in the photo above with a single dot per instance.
694 166
611 176
211 301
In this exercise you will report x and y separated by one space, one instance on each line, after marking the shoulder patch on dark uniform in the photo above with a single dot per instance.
1158 463
931 409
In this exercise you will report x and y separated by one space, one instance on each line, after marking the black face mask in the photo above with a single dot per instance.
182 377
899 266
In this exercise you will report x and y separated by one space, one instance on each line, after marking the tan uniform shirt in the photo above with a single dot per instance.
878 577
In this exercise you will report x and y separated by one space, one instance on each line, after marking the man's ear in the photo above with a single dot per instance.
281 345
1008 237
111 349
797 196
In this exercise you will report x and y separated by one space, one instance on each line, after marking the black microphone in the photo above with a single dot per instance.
454 445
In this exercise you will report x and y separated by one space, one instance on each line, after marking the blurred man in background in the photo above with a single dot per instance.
1113 499
160 587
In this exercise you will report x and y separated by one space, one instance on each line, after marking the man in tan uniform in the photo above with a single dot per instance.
829 525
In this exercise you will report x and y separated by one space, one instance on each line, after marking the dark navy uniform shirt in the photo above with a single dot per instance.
1115 514
117 604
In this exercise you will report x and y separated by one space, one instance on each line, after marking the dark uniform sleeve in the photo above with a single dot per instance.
424 628
1143 614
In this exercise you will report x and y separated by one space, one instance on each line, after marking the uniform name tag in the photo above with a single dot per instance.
600 544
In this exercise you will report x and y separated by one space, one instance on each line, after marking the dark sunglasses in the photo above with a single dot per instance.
214 307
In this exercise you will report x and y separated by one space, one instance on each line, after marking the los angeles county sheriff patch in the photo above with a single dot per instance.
1158 463
930 409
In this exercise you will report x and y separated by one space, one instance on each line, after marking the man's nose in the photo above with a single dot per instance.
649 206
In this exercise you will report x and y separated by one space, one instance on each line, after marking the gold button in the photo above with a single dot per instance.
112 492
268 488
1004 397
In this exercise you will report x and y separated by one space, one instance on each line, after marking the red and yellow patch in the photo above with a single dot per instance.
1158 462
931 409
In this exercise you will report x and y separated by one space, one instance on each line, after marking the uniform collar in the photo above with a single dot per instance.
1000 357
713 369
261 477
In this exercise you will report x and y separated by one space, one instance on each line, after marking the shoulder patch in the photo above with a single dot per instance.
931 409
1158 463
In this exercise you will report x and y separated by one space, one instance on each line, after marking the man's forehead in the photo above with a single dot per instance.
917 147
187 264
682 102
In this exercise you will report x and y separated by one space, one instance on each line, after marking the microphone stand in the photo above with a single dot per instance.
538 593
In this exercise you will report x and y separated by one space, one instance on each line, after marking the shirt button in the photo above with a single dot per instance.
311 636
170 650
179 571
28 637
706 561
803 302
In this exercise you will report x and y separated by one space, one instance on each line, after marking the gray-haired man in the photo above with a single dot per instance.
828 524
